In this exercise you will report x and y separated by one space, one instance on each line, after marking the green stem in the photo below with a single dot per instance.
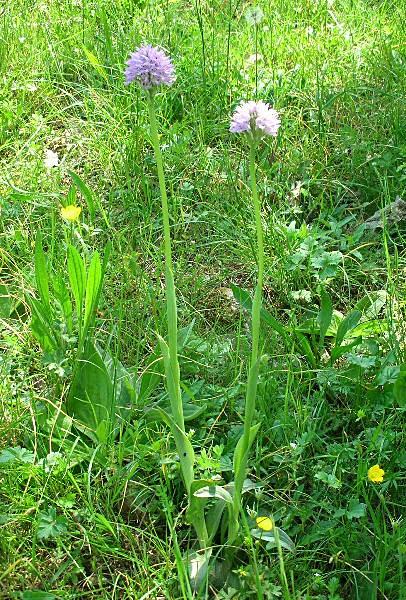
173 373
176 402
252 382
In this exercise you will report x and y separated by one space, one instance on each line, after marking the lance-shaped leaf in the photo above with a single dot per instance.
77 279
214 491
239 449
183 446
41 273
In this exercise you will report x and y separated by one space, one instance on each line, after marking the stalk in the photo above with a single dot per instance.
252 382
171 310
173 383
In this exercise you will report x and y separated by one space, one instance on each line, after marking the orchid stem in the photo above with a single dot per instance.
252 382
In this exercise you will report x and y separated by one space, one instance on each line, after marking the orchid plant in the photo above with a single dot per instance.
209 504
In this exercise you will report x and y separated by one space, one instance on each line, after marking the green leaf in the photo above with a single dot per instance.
213 518
94 61
91 397
238 452
347 325
93 287
16 455
214 491
37 595
51 525
62 295
328 478
269 536
325 315
183 445
356 509
340 350
41 326
77 278
370 306
151 376
305 347
6 303
85 191
198 565
399 387
191 411
41 274
243 298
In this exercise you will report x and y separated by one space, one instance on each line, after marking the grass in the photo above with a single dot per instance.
336 72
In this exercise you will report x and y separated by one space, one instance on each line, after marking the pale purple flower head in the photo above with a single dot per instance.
255 118
150 67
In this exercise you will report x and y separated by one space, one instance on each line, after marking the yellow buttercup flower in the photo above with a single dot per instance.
71 212
375 474
264 523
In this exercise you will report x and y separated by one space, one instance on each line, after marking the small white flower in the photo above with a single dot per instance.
51 159
253 58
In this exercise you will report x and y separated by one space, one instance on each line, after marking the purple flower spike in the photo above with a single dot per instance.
150 67
255 118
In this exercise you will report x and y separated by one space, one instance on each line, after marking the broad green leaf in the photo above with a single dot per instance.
151 376
346 325
214 491
41 274
91 395
77 278
372 328
269 536
191 412
154 370
370 306
184 335
62 295
213 518
16 455
356 509
247 486
198 565
124 392
51 525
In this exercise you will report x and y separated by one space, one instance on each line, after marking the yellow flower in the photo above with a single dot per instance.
264 523
71 212
375 474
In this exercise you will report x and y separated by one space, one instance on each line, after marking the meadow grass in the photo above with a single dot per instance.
335 70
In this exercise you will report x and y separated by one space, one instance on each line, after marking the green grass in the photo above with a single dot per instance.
336 72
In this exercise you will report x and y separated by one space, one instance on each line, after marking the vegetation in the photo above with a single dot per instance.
94 441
